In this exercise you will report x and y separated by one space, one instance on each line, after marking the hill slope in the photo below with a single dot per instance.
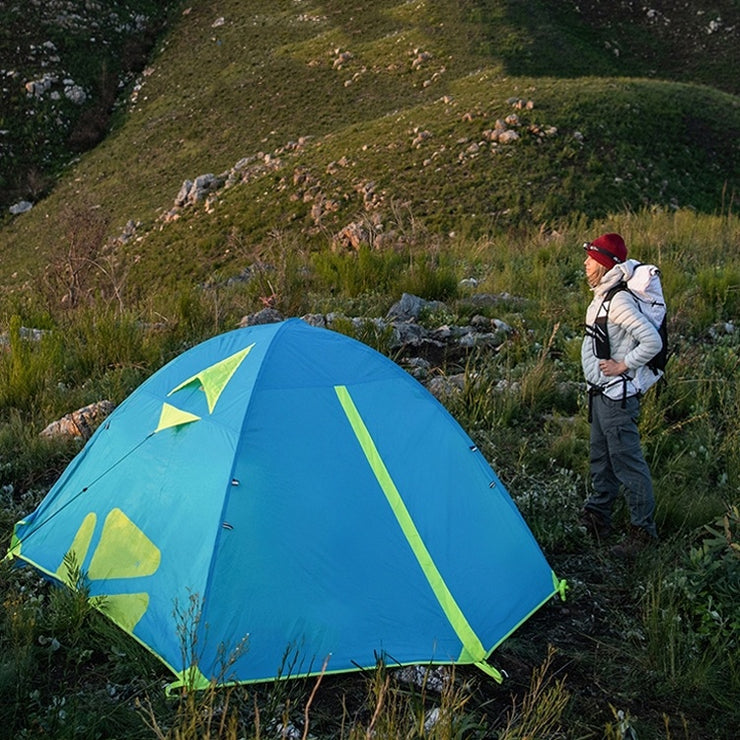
316 117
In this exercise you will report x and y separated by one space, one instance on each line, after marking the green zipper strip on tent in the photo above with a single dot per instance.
473 650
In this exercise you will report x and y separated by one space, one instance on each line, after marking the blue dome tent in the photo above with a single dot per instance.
311 494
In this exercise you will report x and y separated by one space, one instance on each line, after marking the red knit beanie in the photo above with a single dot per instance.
607 250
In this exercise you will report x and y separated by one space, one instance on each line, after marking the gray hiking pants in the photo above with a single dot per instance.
617 459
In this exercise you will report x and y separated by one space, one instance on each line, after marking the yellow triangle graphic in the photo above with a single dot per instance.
124 551
125 609
215 378
190 678
78 549
174 417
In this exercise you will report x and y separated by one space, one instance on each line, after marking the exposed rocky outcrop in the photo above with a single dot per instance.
63 64
426 353
420 350
81 423
327 198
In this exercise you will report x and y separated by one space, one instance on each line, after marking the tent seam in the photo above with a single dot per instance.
230 486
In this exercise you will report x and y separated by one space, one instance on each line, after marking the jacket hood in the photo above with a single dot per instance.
621 272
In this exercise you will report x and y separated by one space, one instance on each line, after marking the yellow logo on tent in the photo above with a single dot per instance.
213 380
124 551
174 417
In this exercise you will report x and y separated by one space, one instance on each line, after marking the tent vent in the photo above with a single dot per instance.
474 448
234 482
226 525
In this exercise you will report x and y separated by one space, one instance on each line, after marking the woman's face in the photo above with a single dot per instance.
594 271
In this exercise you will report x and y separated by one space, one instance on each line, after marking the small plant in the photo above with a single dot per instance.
691 618
621 728
539 713
70 278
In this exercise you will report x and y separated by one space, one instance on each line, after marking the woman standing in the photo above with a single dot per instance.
616 381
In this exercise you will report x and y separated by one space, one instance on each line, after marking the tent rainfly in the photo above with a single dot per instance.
318 502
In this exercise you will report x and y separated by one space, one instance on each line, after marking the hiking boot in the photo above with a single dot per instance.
636 541
595 524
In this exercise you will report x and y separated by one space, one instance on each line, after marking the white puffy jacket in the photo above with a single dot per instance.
632 338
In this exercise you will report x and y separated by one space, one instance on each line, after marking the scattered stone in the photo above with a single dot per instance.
341 58
425 677
507 137
352 236
419 137
21 207
418 349
411 306
81 423
315 319
723 328
418 367
521 103
265 316
27 333
492 300
421 57
194 191
74 93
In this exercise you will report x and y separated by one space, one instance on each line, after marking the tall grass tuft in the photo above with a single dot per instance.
539 713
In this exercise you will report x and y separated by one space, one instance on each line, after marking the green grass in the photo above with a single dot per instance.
267 77
524 408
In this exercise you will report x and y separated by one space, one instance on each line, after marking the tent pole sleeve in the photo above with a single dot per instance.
473 650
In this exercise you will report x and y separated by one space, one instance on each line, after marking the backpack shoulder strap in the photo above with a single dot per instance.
607 301
620 286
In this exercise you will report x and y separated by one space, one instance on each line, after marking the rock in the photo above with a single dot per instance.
353 236
411 306
418 367
182 197
75 93
315 319
419 137
421 57
265 316
342 57
507 137
444 386
473 339
432 678
408 334
417 348
81 423
20 207
468 283
193 192
480 300
28 333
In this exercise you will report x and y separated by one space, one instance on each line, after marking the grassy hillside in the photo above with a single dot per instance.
328 102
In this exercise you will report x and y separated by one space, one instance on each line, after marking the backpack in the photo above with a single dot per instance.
646 288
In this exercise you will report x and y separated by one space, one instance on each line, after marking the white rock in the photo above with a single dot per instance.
21 207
